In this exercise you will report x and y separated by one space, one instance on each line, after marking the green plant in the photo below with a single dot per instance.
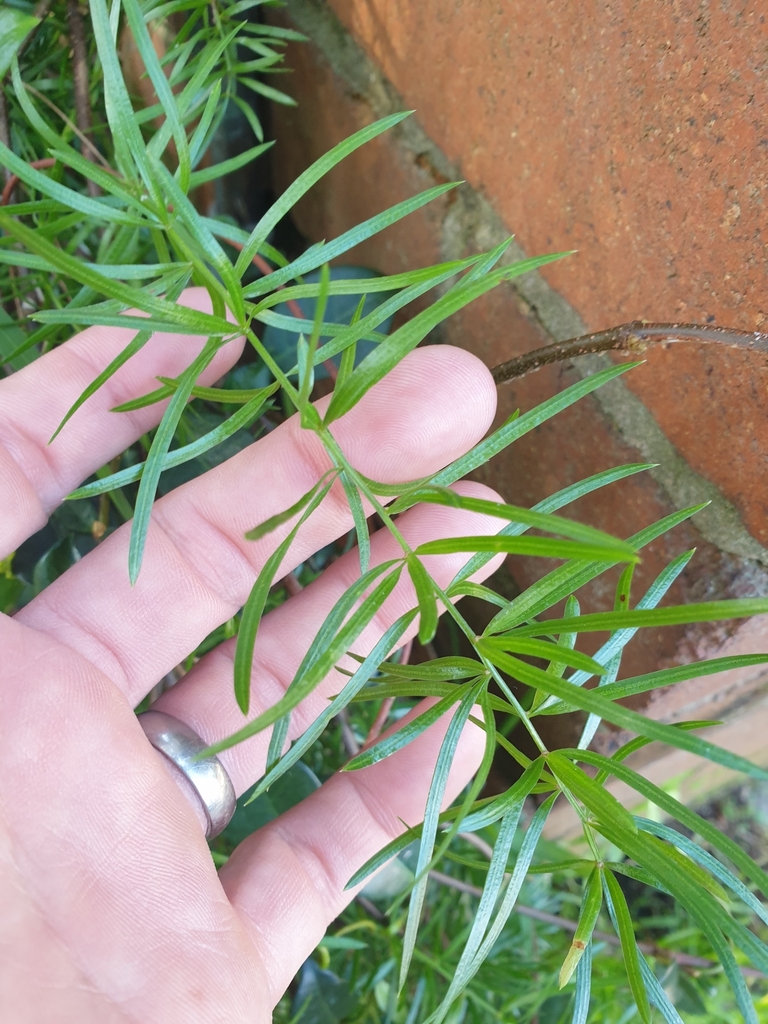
114 240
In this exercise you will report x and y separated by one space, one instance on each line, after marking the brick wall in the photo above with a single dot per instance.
635 133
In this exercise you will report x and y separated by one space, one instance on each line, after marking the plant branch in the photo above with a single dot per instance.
87 144
649 948
13 181
633 339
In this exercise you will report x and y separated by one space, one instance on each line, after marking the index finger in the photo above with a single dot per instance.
37 475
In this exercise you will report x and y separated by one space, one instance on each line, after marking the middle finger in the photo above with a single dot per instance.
204 698
198 569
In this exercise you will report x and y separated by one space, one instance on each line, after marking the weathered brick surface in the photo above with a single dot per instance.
632 131
635 133
466 67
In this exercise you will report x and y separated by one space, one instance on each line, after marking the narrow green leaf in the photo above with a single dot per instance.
571 493
706 911
522 864
387 852
466 589
610 652
250 621
423 689
547 650
712 864
389 745
135 345
130 148
306 375
486 264
529 517
359 518
598 801
238 421
15 26
564 580
174 316
492 888
161 86
705 611
583 986
153 466
388 354
577 864
594 701
282 517
307 679
343 336
151 398
109 183
227 166
67 196
639 742
656 993
425 595
337 615
436 669
431 819
694 871
676 810
227 396
514 430
305 181
329 251
540 547
567 641
254 606
202 135
278 739
591 902
676 674
200 239
357 681
629 949
487 812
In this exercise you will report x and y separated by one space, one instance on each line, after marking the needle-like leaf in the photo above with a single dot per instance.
623 918
591 901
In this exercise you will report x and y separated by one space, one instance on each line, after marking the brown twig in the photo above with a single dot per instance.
13 181
632 338
87 144
348 738
40 12
649 948
292 584
81 81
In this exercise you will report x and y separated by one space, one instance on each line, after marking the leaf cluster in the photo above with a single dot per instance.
120 254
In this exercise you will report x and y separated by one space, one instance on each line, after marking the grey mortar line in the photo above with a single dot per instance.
471 222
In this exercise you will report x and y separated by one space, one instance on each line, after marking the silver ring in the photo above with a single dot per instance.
182 746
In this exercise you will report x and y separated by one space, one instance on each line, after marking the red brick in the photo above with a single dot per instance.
580 441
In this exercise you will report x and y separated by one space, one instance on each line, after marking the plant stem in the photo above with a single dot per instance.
81 83
684 959
632 338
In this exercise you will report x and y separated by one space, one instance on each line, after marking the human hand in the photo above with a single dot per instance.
110 905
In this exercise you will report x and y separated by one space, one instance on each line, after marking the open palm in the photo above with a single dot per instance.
110 906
